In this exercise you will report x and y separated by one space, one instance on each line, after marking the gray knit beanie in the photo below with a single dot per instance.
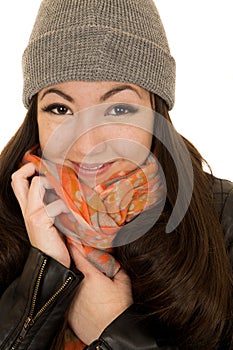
99 40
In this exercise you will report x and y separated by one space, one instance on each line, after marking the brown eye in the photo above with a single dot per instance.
58 109
61 110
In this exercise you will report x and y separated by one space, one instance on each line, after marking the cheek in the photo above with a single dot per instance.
52 140
132 144
45 131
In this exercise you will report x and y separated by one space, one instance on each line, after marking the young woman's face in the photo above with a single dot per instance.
97 128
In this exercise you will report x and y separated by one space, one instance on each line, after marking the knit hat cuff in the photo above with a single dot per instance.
99 54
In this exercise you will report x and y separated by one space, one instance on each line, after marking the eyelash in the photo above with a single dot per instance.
123 109
53 106
130 109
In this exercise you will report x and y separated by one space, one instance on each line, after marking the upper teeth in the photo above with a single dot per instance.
91 168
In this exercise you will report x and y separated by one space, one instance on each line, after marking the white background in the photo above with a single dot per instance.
200 37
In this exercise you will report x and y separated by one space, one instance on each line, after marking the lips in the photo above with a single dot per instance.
90 170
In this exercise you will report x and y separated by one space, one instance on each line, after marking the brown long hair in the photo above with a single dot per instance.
14 241
182 279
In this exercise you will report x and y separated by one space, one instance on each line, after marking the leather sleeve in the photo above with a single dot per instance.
129 332
33 306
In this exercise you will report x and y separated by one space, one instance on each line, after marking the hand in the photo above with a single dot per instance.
99 299
39 219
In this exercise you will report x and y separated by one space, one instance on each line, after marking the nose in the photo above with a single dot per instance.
89 146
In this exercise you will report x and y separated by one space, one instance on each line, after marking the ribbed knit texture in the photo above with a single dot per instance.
99 40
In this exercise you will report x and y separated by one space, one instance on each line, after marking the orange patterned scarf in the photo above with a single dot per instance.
97 214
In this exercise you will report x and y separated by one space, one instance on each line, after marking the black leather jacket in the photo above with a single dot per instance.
32 308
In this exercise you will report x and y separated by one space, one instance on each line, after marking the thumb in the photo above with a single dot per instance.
90 260
121 277
79 256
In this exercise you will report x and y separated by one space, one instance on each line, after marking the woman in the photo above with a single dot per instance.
93 74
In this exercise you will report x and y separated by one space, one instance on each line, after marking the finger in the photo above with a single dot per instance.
20 183
56 208
38 186
121 276
79 257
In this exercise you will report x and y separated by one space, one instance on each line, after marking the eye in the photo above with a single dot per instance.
57 109
121 109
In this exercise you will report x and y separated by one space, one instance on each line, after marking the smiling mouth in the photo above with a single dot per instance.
90 167
89 170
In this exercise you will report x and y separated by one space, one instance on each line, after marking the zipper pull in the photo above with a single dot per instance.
27 324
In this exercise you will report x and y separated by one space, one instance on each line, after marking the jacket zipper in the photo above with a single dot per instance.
30 320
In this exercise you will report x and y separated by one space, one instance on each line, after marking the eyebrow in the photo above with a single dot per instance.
118 89
102 98
58 92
